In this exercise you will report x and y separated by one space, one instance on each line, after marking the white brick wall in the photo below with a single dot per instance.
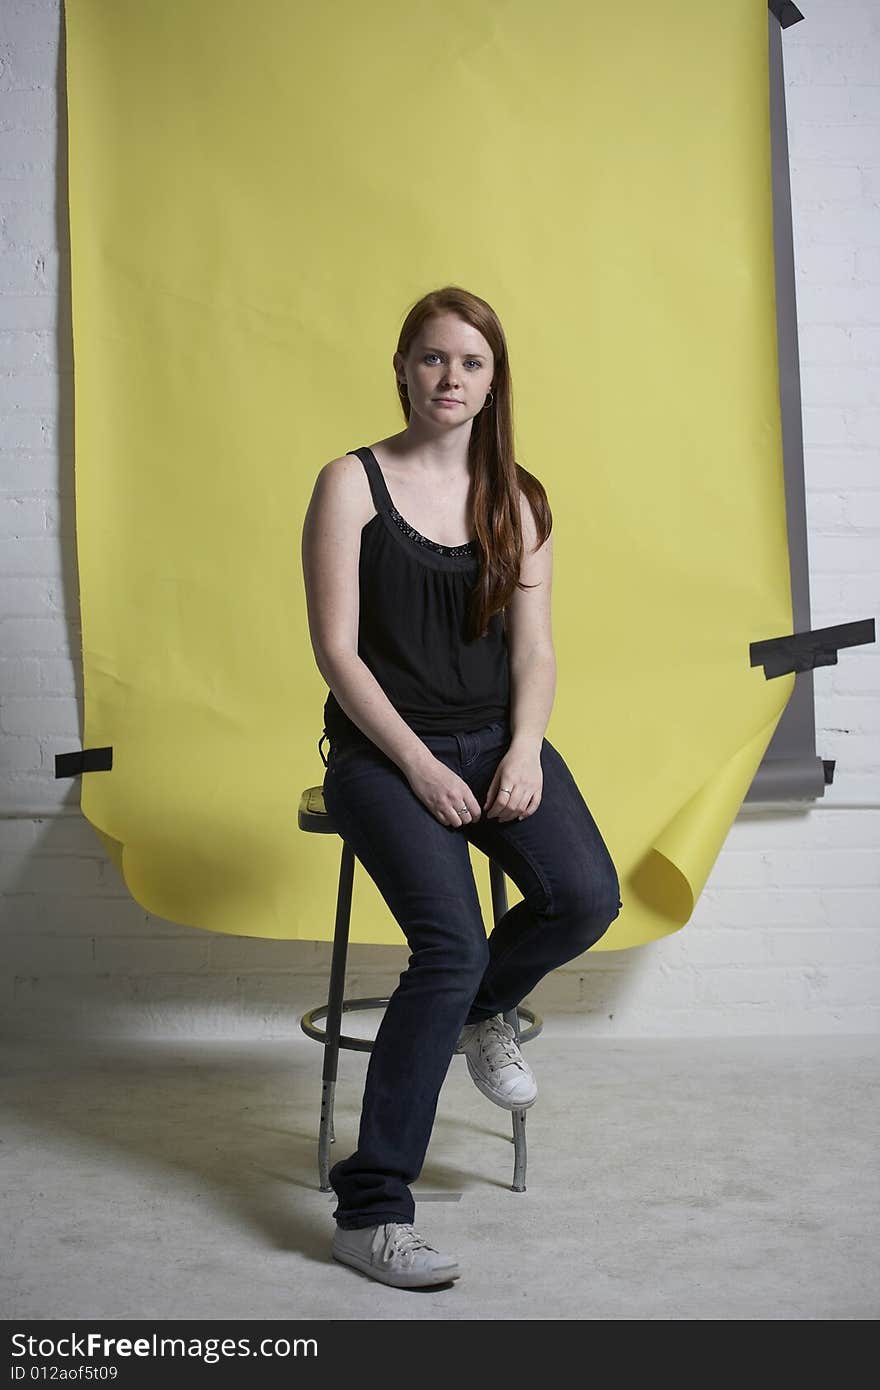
785 937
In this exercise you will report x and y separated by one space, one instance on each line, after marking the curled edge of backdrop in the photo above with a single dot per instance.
666 883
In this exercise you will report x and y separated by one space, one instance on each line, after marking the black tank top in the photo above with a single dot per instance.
413 632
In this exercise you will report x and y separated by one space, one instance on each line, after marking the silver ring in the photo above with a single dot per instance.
506 789
463 808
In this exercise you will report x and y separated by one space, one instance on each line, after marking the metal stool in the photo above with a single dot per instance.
313 816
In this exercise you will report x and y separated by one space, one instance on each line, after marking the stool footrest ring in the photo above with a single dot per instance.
308 1020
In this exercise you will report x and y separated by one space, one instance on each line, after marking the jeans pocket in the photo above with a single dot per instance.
500 738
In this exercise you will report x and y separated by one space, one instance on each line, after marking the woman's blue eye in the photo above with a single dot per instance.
467 359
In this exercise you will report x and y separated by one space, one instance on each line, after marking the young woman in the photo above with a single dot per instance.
427 563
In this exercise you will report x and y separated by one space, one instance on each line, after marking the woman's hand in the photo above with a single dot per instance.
521 773
444 793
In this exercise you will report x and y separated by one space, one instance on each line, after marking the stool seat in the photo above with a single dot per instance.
312 814
314 818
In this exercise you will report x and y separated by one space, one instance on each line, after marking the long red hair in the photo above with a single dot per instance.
498 478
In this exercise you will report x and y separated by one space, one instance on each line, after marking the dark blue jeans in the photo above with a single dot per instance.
571 895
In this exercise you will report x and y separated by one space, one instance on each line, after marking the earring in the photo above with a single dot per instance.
401 386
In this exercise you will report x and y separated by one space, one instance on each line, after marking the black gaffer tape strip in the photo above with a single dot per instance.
84 760
801 651
785 11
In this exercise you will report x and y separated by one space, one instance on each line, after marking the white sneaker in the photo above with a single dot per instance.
496 1063
394 1253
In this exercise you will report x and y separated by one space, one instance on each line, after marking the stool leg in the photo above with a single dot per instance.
326 1135
499 907
519 1124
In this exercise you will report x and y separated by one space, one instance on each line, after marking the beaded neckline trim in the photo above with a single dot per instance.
470 548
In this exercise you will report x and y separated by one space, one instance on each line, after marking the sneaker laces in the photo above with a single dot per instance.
402 1238
498 1044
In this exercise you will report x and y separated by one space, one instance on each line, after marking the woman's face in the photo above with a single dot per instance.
448 358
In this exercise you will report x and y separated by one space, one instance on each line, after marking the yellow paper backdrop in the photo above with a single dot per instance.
258 193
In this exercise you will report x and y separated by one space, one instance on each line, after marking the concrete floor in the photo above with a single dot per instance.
667 1179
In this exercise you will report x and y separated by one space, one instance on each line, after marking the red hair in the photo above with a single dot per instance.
498 478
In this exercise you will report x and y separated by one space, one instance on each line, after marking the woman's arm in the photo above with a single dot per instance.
331 540
530 640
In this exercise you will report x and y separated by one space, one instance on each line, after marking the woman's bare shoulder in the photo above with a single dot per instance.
342 487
